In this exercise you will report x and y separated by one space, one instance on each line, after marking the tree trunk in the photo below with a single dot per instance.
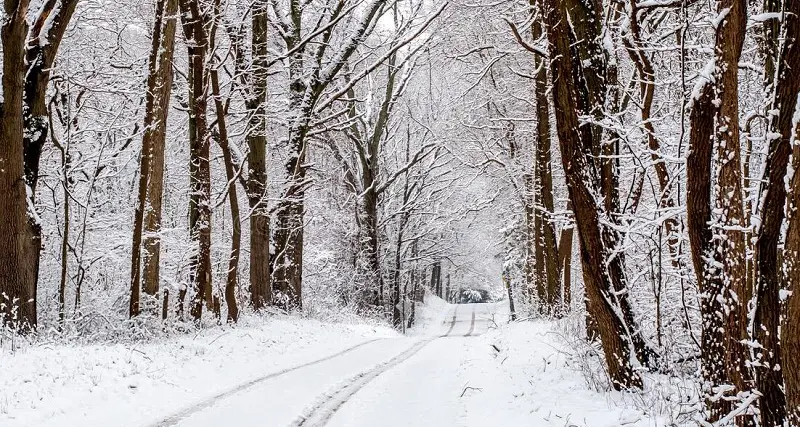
396 298
767 315
728 220
288 265
698 213
44 38
17 281
289 242
790 327
199 168
147 219
546 251
718 241
260 272
232 277
602 272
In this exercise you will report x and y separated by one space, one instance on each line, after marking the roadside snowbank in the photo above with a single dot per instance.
136 385
523 374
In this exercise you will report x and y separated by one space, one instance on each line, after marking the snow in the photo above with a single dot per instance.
98 385
462 365
763 17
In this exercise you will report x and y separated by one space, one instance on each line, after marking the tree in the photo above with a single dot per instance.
546 269
17 279
716 227
602 274
790 326
260 263
38 46
768 280
194 31
147 219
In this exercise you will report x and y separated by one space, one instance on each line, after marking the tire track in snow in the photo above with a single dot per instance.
472 324
205 403
326 406
452 322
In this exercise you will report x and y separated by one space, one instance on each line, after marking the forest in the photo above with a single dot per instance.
622 168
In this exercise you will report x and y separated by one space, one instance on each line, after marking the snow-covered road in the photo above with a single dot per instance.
388 382
462 366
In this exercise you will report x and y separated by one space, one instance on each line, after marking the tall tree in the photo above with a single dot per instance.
194 31
223 140
768 280
717 227
39 46
260 272
544 236
790 326
147 218
602 272
307 81
17 278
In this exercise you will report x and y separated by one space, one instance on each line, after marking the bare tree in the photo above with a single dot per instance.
717 227
195 32
602 272
17 277
147 218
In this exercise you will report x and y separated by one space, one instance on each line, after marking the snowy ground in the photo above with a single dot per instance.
462 366
138 385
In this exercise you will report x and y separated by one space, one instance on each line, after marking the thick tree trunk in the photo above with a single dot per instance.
698 213
44 38
790 327
260 272
31 61
370 240
718 240
767 315
199 152
147 219
290 229
288 266
602 272
728 222
17 281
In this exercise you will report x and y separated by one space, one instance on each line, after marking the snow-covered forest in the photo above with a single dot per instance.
301 177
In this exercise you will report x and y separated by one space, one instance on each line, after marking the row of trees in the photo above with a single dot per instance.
254 85
359 147
724 192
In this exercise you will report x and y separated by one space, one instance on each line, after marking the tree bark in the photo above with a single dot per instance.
260 272
17 279
147 217
790 326
768 280
718 240
288 267
602 272
199 168
728 222
232 277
